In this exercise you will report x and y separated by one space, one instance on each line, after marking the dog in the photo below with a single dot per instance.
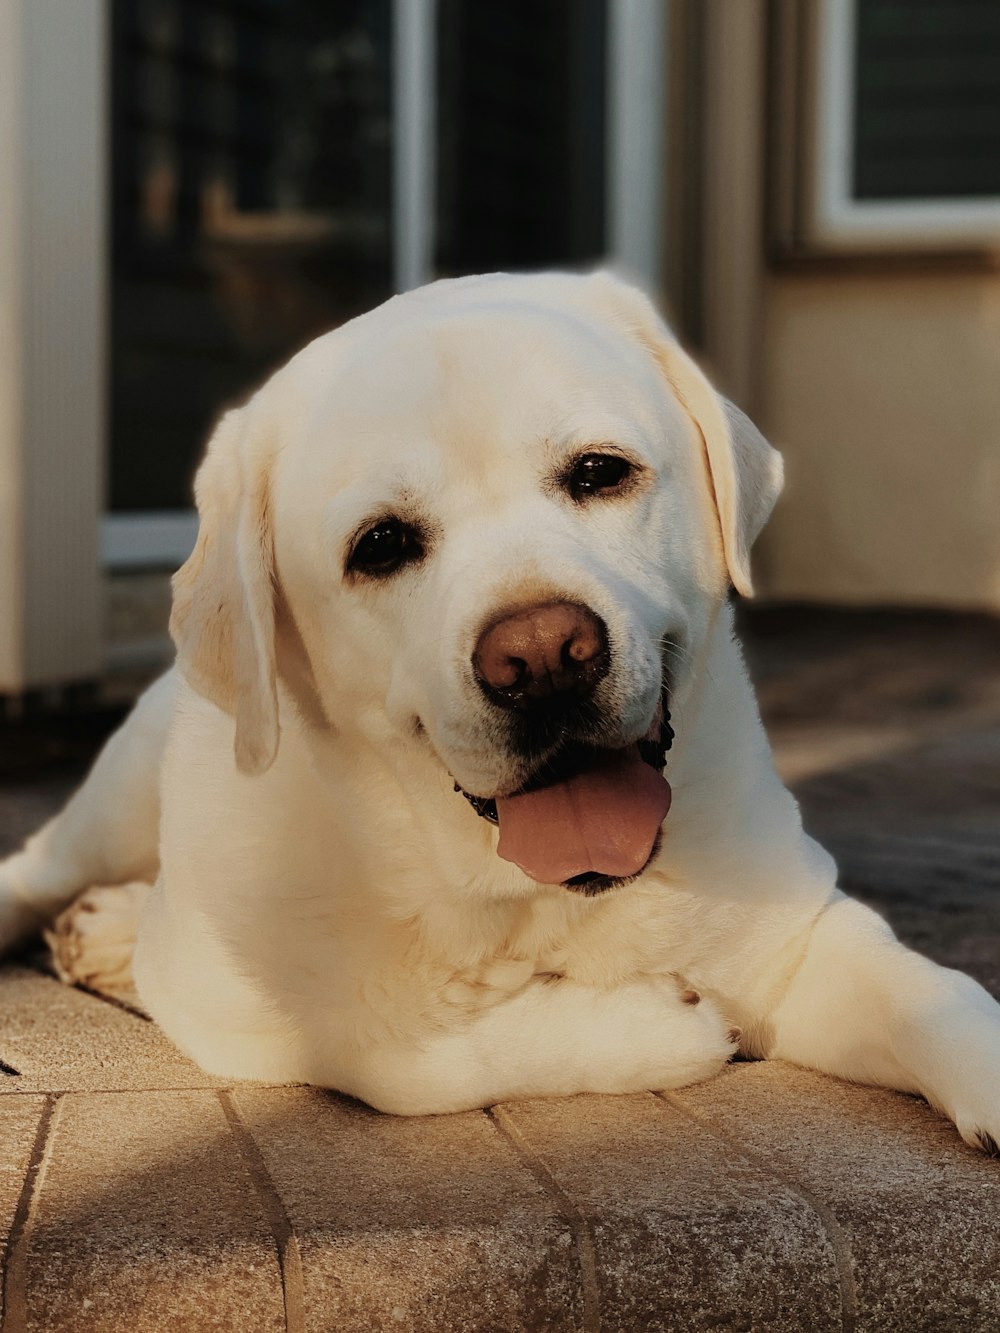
458 791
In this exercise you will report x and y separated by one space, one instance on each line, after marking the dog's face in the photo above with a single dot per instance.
475 465
496 515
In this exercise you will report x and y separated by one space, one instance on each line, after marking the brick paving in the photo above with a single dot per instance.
888 727
138 1193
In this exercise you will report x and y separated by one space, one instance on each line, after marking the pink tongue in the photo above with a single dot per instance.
605 820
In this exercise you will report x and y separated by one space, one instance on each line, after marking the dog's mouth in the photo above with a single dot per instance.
588 818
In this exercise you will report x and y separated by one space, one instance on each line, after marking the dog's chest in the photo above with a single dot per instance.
602 942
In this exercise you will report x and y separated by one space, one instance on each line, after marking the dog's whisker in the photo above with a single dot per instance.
686 657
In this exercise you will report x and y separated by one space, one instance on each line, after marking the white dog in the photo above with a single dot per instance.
456 561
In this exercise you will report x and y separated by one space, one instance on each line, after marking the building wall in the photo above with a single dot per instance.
883 392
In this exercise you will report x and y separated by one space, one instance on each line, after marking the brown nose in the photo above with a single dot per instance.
556 648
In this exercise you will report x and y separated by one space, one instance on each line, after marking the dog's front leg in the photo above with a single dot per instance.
108 833
556 1037
864 1007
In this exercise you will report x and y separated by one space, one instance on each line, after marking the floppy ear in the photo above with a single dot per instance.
746 472
223 612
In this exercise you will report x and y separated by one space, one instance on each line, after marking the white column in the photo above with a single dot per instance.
637 76
414 98
53 239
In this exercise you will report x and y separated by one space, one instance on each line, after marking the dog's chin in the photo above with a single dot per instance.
592 885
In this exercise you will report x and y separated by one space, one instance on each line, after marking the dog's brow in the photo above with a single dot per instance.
359 503
592 433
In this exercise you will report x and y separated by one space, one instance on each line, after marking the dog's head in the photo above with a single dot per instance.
495 516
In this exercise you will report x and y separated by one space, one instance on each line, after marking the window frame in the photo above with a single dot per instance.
833 217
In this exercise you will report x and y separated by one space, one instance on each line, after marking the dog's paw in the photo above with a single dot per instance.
955 1056
711 1042
963 1078
978 1120
981 1129
982 1138
694 1038
93 940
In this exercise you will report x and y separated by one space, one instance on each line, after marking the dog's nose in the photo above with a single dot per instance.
557 648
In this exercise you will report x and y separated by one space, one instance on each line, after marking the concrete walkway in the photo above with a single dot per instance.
138 1194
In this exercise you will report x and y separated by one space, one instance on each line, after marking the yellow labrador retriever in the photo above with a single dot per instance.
458 792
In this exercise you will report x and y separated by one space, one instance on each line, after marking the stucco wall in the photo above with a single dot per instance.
883 392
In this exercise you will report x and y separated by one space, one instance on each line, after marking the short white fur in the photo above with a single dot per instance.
325 907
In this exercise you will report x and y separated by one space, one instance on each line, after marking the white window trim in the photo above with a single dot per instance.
836 218
148 538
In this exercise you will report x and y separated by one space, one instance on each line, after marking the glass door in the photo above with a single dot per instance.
281 165
250 211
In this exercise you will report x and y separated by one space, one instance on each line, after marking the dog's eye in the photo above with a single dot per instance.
385 547
594 473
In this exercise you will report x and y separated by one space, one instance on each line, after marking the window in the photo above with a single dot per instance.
250 210
280 165
897 117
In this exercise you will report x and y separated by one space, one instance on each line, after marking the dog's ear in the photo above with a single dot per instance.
223 619
746 473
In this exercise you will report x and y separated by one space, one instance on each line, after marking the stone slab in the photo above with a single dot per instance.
62 1039
919 1211
146 1219
688 1235
19 1121
425 1225
768 1198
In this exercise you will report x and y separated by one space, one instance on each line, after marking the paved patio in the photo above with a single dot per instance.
137 1193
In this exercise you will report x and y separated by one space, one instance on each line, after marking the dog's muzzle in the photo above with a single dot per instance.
589 817
573 759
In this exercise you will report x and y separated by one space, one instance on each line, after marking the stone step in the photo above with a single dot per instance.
134 1195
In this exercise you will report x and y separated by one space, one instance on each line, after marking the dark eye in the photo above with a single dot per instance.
385 547
594 473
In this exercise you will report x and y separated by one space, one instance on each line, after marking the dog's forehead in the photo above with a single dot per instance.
436 378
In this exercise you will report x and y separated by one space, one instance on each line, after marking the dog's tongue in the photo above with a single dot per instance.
605 820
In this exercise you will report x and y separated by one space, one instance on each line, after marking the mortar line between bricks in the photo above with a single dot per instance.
15 1273
582 1232
835 1233
285 1240
120 1092
116 1002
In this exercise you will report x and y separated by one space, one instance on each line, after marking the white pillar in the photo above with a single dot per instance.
53 240
414 102
637 77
